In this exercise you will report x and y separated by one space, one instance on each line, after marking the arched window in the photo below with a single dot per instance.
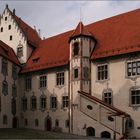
90 131
5 87
33 103
43 103
75 48
5 121
108 96
105 134
14 90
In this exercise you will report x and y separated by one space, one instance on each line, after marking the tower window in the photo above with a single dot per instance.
9 27
11 37
76 73
1 29
75 48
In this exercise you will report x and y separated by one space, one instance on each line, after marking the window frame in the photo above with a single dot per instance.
104 71
33 103
28 83
132 67
53 104
43 81
65 101
5 88
4 67
60 79
24 104
42 108
134 104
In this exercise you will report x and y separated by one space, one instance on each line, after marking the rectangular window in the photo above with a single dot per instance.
60 78
102 72
43 103
108 98
53 102
133 68
20 51
24 104
11 37
43 81
14 72
135 97
28 83
33 103
65 101
75 73
4 68
14 90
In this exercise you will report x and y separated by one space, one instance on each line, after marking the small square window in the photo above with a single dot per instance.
5 18
9 27
1 29
11 37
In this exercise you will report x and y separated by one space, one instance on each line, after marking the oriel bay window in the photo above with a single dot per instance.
102 72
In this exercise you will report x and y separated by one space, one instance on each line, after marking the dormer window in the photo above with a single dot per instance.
35 60
75 49
9 27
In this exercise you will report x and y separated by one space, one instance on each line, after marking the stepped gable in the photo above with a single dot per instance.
115 36
52 52
8 53
118 111
31 34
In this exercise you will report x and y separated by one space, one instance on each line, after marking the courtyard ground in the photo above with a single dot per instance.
34 134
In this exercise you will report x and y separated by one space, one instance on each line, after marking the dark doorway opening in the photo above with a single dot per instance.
105 134
48 124
90 131
15 122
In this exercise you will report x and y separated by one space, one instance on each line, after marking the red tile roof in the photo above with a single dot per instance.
116 35
118 111
51 52
8 53
81 30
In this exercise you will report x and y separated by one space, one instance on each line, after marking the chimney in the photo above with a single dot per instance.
14 11
6 5
39 32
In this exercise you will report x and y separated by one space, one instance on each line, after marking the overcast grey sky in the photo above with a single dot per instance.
54 17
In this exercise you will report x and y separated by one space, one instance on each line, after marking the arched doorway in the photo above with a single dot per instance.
90 131
105 134
15 122
48 123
